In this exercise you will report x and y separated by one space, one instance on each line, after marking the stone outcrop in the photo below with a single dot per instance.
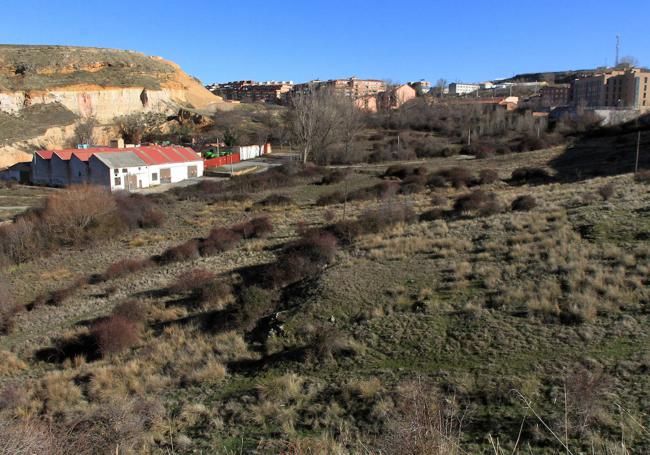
86 82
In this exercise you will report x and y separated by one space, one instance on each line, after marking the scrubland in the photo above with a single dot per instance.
437 307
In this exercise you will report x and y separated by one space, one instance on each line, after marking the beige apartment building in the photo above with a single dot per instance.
352 87
614 88
356 88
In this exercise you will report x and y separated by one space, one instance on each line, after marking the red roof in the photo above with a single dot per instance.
150 154
45 154
155 154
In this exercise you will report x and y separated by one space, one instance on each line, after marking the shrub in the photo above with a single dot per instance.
334 177
642 176
524 203
131 310
115 334
533 175
433 214
125 266
607 191
69 216
183 252
191 280
414 183
382 190
400 171
329 342
438 201
275 200
74 216
471 202
214 291
373 221
256 228
255 303
458 176
487 176
138 211
8 308
219 239
302 258
436 181
480 202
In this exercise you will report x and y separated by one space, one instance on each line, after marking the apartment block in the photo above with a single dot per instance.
457 88
352 87
555 95
252 91
617 88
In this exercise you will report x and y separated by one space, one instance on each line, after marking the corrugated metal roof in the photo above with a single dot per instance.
120 160
154 154
149 154
45 154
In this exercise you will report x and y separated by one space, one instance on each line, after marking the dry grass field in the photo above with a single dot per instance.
443 312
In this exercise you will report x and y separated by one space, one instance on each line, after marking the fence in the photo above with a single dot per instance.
243 153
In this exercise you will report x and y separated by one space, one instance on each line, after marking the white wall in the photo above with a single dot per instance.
249 152
178 171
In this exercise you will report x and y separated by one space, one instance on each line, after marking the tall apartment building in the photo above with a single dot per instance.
251 91
555 95
615 88
352 87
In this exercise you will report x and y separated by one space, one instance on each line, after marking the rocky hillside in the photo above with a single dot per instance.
44 90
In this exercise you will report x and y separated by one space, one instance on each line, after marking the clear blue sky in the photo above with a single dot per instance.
224 40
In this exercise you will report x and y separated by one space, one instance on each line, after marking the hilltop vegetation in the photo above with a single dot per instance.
24 67
433 308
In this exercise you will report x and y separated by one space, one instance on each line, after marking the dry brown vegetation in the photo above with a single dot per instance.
413 318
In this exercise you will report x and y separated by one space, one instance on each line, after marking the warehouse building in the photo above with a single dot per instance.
117 169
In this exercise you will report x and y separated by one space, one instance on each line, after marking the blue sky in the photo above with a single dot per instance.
301 40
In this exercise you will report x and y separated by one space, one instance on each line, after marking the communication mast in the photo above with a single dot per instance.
618 48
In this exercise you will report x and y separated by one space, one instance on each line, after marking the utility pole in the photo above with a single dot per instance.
638 148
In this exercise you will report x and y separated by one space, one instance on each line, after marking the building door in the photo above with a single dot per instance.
191 171
165 176
131 181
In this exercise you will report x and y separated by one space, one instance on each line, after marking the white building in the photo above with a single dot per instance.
118 169
457 88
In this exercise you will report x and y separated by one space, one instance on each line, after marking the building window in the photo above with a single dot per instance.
118 181
154 176
116 171
124 171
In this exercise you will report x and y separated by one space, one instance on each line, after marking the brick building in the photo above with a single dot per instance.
622 88
555 95
251 91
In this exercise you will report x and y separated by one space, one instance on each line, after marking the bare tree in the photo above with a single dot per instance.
314 121
628 62
134 127
351 119
439 89
84 131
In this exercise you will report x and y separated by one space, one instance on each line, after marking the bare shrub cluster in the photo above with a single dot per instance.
478 202
75 216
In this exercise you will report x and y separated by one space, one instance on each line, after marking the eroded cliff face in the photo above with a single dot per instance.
103 103
84 82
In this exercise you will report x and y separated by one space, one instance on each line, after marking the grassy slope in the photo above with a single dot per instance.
421 300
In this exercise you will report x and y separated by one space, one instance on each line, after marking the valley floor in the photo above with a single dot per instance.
508 332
